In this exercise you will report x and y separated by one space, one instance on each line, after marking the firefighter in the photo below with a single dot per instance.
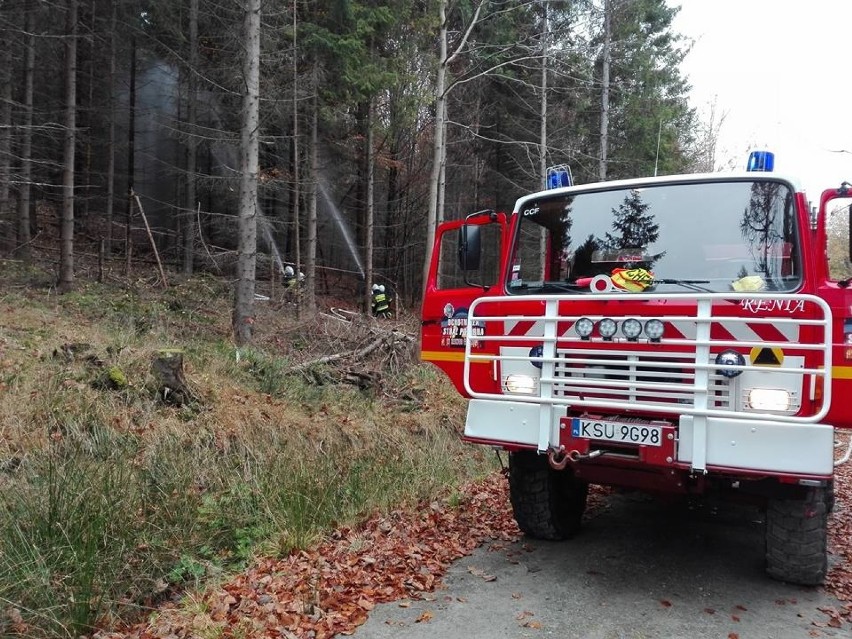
381 305
290 279
289 275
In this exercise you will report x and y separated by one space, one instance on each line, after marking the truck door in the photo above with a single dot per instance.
833 233
466 264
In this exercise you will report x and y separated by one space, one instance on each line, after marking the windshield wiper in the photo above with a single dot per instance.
545 286
564 286
690 284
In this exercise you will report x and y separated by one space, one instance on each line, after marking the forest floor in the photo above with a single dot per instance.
118 497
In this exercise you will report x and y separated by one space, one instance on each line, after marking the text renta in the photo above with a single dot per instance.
760 306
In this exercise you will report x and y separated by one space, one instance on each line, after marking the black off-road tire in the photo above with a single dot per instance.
796 538
547 503
829 497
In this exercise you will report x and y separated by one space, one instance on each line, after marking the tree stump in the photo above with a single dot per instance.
173 387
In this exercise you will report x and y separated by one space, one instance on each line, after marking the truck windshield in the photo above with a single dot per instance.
716 236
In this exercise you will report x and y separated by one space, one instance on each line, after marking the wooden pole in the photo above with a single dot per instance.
128 244
151 239
273 265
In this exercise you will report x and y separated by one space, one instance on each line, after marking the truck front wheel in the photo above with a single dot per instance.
796 538
547 503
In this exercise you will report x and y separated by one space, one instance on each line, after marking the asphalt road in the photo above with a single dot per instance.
640 569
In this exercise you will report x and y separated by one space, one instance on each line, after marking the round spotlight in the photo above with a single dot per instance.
632 328
584 327
654 329
536 351
607 327
729 358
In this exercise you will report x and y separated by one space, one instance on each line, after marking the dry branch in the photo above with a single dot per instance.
389 339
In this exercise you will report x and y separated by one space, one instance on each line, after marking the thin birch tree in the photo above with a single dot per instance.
605 64
440 132
243 316
297 191
66 246
370 208
311 248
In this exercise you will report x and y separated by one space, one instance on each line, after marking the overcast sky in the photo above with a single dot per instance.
778 72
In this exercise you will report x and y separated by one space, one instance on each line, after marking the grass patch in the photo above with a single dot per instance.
97 525
111 501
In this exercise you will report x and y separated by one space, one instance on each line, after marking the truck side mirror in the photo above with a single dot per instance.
469 247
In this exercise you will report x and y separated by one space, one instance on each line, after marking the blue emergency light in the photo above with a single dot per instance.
559 176
761 161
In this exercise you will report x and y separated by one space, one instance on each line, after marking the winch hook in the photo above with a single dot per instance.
558 458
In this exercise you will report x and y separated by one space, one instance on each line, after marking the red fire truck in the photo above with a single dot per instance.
678 335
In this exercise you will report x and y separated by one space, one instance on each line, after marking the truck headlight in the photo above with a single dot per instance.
769 399
520 384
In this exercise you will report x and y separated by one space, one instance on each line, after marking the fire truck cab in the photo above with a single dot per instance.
679 334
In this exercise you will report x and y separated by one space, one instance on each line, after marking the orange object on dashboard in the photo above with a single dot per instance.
634 280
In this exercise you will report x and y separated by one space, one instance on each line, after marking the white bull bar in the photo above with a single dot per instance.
629 384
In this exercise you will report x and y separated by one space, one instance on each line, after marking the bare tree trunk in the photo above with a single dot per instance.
543 116
191 117
110 177
249 145
442 180
296 177
605 89
66 253
391 257
370 208
436 195
438 141
131 155
311 258
24 218
545 42
5 136
88 111
477 158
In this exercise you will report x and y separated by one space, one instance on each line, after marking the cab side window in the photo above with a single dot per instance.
837 230
450 274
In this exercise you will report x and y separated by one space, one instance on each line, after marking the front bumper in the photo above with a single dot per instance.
731 444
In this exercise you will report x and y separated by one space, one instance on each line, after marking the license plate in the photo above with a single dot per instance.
622 432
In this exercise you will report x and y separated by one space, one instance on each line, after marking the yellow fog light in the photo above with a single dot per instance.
520 384
769 399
